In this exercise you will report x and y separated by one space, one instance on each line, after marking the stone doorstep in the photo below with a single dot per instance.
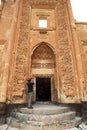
34 126
44 111
47 119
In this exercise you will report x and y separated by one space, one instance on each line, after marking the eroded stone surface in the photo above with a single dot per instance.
80 127
66 65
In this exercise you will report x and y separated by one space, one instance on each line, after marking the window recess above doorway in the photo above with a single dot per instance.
43 19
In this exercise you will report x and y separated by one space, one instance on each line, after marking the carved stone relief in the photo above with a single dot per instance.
18 88
2 58
65 57
84 59
43 57
1 62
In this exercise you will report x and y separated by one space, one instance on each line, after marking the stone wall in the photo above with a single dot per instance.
18 88
5 28
69 91
82 35
24 36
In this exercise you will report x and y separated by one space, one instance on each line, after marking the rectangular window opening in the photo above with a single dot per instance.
42 23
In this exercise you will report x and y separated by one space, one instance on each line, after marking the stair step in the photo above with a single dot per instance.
44 117
47 119
45 110
30 125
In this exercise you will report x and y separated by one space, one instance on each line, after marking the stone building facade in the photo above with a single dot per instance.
55 53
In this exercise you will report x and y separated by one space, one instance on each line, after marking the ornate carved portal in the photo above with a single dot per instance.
55 61
43 68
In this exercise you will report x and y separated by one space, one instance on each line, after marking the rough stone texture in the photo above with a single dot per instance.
82 35
60 45
5 24
34 119
22 34
58 52
21 58
80 127
65 57
84 112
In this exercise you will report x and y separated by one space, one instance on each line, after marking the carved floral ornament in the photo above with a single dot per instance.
43 57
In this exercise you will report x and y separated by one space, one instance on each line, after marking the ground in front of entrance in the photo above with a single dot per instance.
44 116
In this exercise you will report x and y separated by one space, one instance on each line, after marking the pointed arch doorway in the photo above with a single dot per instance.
43 68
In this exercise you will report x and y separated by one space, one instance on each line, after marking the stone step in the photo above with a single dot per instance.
34 125
45 110
46 119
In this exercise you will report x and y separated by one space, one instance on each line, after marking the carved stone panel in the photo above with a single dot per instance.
43 57
84 62
2 58
18 88
68 92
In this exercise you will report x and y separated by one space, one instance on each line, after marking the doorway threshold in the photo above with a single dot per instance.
42 102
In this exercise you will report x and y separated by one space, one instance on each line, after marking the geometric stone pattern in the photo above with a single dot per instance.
44 61
2 59
1 62
84 58
82 34
43 57
18 89
43 52
65 56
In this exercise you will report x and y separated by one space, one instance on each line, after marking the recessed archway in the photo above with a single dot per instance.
43 68
43 57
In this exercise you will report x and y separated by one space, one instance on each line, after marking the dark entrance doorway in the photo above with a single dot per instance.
43 89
